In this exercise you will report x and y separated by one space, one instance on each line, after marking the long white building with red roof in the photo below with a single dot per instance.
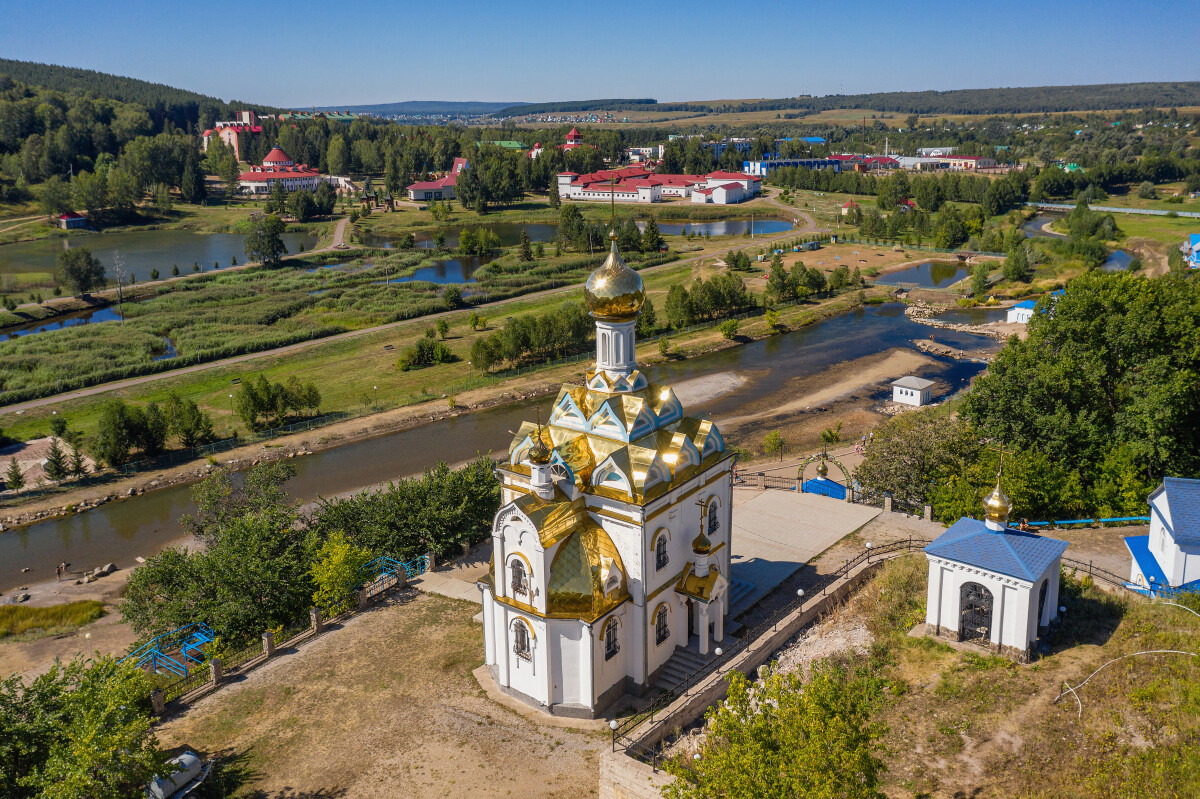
635 184
278 167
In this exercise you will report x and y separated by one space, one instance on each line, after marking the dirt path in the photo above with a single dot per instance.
386 706
252 356
21 222
810 224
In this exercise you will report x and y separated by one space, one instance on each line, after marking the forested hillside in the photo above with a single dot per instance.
1022 100
162 102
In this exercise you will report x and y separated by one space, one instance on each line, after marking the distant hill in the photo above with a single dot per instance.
1019 100
160 100
421 107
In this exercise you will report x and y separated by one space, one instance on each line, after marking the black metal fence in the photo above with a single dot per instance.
654 714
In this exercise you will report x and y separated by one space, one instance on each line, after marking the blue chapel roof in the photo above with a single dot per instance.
1183 503
1013 552
1026 304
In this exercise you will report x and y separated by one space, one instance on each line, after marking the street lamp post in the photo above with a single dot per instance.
376 397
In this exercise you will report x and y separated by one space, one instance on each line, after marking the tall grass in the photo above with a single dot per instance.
21 619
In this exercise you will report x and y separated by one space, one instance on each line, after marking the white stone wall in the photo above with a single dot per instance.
1014 602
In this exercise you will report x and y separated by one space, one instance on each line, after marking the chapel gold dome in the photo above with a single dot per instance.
614 291
998 505
822 469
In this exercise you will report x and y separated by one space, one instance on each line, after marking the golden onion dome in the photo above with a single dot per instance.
614 292
822 469
998 505
701 545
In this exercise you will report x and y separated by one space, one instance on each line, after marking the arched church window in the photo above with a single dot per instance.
661 631
660 553
611 645
714 521
520 580
521 640
1042 601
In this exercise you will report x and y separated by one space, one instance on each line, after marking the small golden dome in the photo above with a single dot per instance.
998 505
539 453
822 469
614 291
701 545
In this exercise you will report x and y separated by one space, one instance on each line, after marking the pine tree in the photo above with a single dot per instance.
555 200
14 479
526 252
78 466
191 183
651 238
56 462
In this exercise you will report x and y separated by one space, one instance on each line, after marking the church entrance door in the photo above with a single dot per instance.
975 606
691 608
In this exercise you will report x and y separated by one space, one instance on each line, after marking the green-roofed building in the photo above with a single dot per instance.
508 145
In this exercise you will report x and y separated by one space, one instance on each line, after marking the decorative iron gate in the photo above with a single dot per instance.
975 605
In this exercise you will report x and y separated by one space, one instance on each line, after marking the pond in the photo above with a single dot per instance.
452 270
1033 228
140 250
108 314
972 316
929 275
509 234
1118 261
141 526
723 227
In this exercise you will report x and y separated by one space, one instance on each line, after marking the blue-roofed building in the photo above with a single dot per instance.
1022 312
1193 253
991 584
768 165
1168 559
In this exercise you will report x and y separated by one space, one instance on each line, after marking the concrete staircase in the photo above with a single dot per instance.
741 596
683 662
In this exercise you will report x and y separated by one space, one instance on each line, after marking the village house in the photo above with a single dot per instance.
640 185
72 221
441 188
1169 556
910 390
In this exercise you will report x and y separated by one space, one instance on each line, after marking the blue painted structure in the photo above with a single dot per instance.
186 644
825 487
385 567
767 165
1013 552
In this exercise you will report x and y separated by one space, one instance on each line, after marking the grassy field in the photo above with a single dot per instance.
23 620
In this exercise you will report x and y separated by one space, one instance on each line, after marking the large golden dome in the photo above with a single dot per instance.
614 292
998 505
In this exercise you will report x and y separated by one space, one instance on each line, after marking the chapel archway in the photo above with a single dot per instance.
975 609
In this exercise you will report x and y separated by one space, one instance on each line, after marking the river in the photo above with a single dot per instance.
141 250
120 531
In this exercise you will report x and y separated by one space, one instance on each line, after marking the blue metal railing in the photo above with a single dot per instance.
186 643
1111 519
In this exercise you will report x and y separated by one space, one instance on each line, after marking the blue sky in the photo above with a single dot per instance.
322 53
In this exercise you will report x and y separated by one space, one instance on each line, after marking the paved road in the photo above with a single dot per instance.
252 356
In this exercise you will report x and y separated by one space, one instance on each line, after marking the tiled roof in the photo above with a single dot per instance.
730 176
1183 508
1017 554
266 173
1026 304
276 156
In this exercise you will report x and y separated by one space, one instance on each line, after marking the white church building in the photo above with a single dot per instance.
1169 557
612 544
992 584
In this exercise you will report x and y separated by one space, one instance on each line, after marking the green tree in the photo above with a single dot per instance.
191 183
78 465
772 319
337 573
89 191
186 421
443 327
784 737
264 242
555 199
979 280
729 329
779 284
58 425
1016 266
56 196
14 478
56 465
647 321
337 156
1147 191
773 444
115 433
163 202
652 240
81 729
525 250
911 452
81 271
175 270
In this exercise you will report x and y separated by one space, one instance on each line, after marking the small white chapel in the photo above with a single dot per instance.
612 543
992 584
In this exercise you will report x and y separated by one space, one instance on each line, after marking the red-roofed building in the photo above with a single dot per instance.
278 167
72 221
641 185
846 206
440 189
246 124
574 141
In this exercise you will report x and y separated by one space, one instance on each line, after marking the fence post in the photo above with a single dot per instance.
363 598
430 565
268 639
216 671
157 704
928 513
887 504
317 624
762 481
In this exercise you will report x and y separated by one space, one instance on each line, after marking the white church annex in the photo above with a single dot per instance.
612 543
992 584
